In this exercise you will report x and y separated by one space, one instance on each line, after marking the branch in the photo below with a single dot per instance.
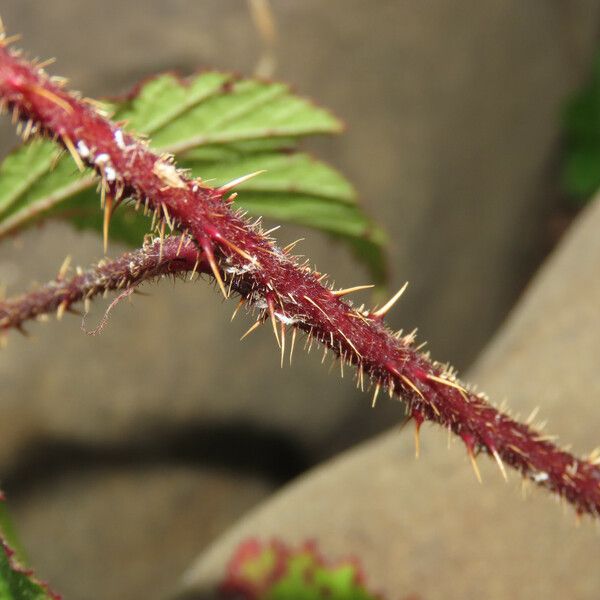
285 291
124 273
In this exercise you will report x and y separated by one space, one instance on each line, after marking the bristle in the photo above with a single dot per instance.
210 257
235 182
108 206
356 288
51 97
380 313
273 321
375 394
252 328
294 330
73 152
64 268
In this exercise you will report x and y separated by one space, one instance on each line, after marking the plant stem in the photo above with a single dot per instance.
286 292
124 273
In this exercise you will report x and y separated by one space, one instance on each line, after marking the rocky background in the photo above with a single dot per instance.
126 454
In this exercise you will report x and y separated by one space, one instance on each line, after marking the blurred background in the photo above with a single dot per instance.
125 454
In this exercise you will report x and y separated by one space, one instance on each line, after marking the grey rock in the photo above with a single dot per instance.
427 527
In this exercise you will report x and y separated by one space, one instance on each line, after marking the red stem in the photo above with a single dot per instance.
128 271
289 293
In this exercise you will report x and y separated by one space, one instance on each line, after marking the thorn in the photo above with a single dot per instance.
269 231
108 206
375 394
532 415
46 63
294 331
411 385
7 41
386 307
181 240
162 240
239 305
238 250
469 443
356 288
238 181
499 463
273 321
73 152
206 247
254 326
51 97
60 311
449 383
64 267
474 465
195 268
282 343
418 417
287 249
167 216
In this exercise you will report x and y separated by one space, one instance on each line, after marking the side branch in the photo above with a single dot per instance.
284 290
177 255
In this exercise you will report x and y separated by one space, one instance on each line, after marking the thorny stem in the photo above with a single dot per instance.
286 292
124 273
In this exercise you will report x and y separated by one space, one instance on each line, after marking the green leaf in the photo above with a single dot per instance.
274 571
17 583
581 169
220 128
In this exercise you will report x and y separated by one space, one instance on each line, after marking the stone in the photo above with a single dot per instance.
426 527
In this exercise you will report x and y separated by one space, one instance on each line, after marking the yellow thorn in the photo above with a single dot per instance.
64 267
417 439
532 415
239 305
181 240
214 268
52 97
108 205
7 41
273 321
241 252
194 269
375 394
167 216
290 247
356 288
474 465
411 385
235 182
162 240
254 326
386 307
73 152
46 63
60 311
500 464
449 384
292 344
309 299
282 343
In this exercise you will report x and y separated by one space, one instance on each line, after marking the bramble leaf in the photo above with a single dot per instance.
16 582
220 128
274 571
